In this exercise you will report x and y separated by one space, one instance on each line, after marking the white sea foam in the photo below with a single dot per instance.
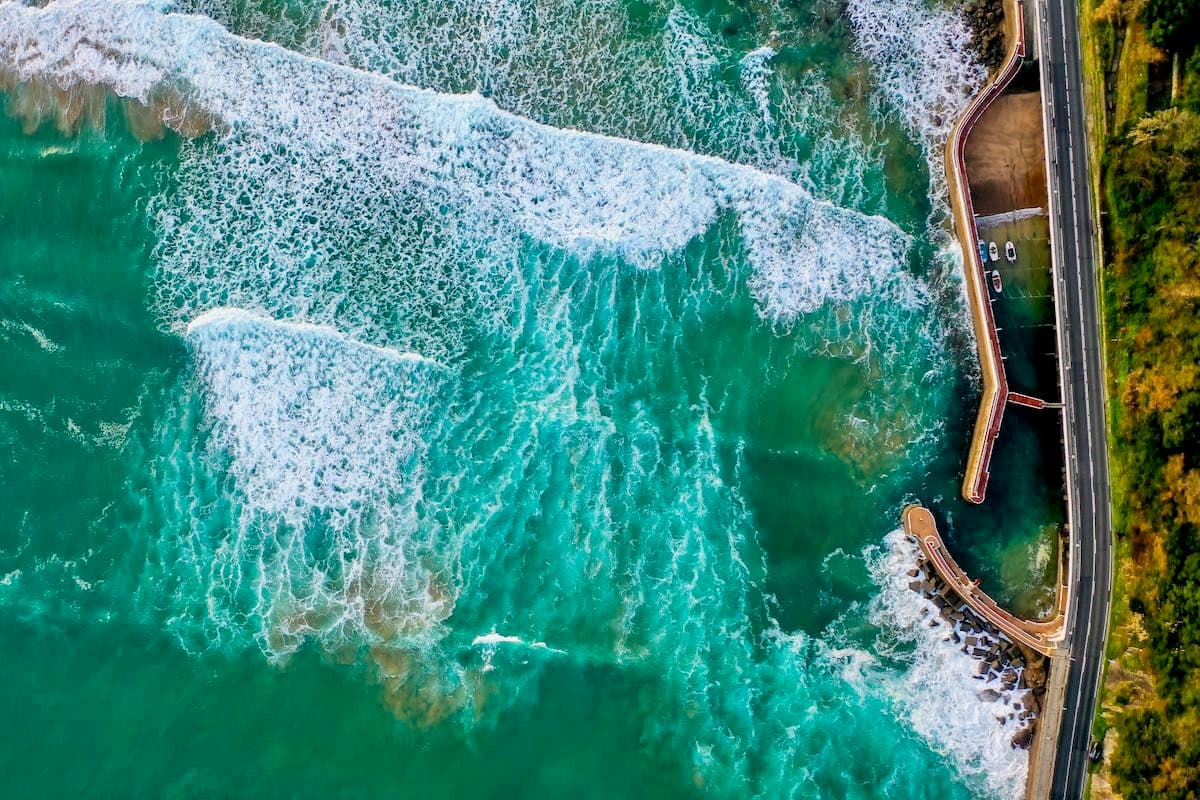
355 203
312 148
496 638
43 340
321 438
925 74
937 689
665 77
311 420
756 73
493 638
925 71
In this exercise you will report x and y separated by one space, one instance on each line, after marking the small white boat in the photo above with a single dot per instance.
1010 251
993 251
997 284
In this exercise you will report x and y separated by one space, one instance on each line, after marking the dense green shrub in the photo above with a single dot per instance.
1172 23
1151 175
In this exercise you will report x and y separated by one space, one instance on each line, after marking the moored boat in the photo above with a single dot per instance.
1010 251
997 284
993 251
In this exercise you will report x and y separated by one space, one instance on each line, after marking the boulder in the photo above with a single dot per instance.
1023 738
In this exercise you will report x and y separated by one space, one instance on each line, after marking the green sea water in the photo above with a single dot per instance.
505 400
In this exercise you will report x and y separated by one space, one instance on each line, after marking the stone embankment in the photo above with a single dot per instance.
1008 672
985 18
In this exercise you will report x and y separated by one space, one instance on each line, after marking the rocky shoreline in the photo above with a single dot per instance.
985 18
1017 674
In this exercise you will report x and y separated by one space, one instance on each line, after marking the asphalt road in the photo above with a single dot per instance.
1083 388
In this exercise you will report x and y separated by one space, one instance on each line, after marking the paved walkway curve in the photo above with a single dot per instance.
1044 636
995 383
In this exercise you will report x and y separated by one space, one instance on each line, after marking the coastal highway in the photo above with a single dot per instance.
1082 372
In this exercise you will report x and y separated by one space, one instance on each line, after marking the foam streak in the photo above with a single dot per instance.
583 192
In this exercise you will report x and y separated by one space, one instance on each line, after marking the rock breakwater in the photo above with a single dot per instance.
985 18
1007 671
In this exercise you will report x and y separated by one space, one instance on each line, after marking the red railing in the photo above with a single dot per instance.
1044 636
993 402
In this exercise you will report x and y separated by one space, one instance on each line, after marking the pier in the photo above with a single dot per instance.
991 361
1027 401
1011 208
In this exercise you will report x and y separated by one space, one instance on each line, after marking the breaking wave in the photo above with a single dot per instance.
925 73
664 74
564 462
302 453
312 421
321 168
937 688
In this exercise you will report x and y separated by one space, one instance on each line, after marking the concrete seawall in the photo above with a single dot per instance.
995 383
1043 636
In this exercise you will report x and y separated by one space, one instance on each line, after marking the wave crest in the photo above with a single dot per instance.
300 453
444 180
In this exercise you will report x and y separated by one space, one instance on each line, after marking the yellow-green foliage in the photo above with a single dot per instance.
1152 283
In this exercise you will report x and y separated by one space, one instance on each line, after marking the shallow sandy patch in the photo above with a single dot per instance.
1005 156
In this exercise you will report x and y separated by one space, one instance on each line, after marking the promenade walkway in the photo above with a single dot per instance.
1044 636
1018 399
995 384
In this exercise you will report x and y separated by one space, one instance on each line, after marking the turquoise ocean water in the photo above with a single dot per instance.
505 399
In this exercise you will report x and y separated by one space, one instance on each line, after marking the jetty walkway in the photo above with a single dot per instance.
1043 636
991 361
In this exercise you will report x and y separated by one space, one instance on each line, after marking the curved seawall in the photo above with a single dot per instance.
1044 636
995 384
